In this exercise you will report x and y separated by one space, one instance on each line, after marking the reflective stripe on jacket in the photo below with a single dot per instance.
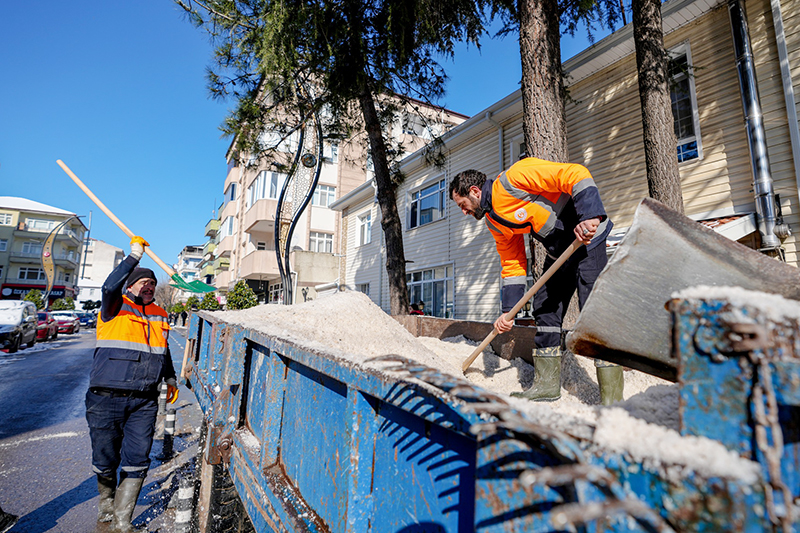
132 348
541 197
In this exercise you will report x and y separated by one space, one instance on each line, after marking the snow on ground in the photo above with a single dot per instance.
349 326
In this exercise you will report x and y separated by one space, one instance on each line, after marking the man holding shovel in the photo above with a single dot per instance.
131 358
557 203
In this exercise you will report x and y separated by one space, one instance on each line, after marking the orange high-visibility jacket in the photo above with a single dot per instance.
543 197
132 348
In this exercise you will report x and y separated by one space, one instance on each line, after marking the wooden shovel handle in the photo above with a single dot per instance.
113 217
525 297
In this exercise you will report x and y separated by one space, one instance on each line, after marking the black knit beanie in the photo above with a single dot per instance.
139 273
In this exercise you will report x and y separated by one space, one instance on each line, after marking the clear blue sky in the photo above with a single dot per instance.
117 90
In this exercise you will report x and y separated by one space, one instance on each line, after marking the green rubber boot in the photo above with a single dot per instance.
125 503
611 383
547 377
106 486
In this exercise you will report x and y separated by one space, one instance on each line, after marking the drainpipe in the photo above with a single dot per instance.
766 216
491 121
788 91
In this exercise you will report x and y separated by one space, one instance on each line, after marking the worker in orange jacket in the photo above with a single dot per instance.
556 203
131 358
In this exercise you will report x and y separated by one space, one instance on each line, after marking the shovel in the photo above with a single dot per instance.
525 297
177 280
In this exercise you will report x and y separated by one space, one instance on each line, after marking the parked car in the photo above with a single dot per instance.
68 321
88 320
17 324
47 328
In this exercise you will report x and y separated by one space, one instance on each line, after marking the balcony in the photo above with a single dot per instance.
23 281
259 264
207 270
212 227
222 280
221 263
26 257
225 246
260 218
24 231
209 247
35 258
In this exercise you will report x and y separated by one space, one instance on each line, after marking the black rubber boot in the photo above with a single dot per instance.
7 521
547 377
106 486
125 503
612 383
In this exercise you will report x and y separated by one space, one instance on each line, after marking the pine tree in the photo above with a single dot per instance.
35 296
192 302
359 54
241 297
209 302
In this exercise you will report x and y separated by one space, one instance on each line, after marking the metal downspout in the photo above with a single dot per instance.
500 141
788 88
756 137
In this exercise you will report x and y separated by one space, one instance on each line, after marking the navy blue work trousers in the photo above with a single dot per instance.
550 303
121 429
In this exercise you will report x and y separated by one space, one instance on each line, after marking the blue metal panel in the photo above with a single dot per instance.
315 442
424 480
255 405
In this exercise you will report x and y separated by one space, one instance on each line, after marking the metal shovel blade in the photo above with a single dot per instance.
190 286
624 319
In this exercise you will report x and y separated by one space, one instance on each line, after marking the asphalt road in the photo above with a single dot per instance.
45 451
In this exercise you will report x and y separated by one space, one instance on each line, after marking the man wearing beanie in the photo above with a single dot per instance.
131 357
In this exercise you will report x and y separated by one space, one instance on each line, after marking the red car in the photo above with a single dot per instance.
68 321
47 328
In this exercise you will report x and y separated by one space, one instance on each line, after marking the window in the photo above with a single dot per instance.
331 152
3 245
5 219
31 273
321 242
363 287
266 185
323 195
364 228
230 193
276 293
36 224
34 247
227 228
684 105
434 289
63 277
427 204
261 246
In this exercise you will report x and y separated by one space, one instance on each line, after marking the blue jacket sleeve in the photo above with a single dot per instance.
112 288
168 369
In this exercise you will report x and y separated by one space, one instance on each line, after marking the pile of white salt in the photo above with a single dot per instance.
350 327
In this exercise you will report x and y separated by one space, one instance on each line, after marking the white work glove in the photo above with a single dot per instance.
137 247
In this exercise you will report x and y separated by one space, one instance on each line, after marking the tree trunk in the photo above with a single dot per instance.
544 120
663 178
387 199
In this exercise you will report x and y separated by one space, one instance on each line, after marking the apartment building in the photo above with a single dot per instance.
188 266
99 260
25 226
453 266
245 238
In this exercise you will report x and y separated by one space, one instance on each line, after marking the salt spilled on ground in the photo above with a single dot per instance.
350 327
